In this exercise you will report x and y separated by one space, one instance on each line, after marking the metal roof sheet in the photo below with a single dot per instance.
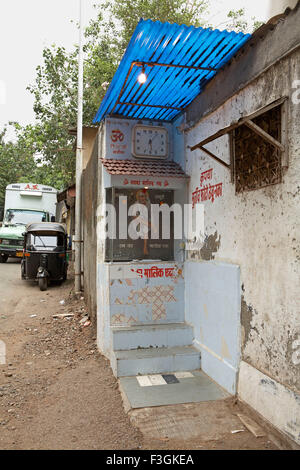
179 60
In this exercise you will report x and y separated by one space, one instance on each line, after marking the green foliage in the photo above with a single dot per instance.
128 13
55 107
21 160
256 24
100 66
16 160
239 23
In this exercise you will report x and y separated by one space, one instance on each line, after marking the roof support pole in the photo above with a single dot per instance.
149 106
154 64
79 159
189 67
212 155
264 135
247 120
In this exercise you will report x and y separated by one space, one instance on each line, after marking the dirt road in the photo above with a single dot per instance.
58 392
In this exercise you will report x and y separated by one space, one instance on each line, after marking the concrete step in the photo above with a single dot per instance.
155 336
154 361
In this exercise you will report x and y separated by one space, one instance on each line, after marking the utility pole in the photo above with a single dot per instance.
78 240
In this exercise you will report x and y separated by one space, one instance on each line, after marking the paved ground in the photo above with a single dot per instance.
170 389
58 392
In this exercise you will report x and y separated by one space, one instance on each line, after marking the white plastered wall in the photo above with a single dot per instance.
259 232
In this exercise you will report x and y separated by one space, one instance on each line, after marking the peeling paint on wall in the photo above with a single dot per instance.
269 385
293 357
246 319
293 349
277 403
211 246
296 354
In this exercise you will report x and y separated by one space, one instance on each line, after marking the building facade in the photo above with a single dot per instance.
234 151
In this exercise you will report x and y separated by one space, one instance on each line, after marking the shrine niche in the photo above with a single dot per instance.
150 244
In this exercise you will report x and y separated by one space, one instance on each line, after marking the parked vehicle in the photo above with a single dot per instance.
24 203
45 256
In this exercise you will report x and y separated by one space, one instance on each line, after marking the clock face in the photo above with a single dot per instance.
150 141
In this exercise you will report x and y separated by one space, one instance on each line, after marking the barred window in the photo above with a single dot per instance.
257 163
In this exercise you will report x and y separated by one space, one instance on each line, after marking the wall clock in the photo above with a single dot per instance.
150 142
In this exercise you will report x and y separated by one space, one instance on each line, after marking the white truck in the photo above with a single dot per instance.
24 203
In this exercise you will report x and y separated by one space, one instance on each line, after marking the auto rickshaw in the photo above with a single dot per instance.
45 255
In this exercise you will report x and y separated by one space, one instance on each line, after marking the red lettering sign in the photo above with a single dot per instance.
33 187
155 272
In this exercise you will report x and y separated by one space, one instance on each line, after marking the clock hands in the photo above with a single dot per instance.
151 141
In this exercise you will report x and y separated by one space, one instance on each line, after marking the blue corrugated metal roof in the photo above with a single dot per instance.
168 90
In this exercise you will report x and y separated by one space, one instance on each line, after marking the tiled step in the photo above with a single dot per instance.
155 360
147 336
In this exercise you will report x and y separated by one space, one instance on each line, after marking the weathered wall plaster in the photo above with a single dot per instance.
275 402
258 230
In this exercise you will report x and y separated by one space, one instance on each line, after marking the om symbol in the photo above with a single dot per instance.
117 135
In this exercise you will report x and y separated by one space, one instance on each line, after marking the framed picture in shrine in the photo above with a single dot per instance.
138 234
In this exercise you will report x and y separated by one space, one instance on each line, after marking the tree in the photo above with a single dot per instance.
238 22
127 13
16 160
55 107
22 162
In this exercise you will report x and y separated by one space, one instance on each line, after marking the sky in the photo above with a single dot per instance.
26 27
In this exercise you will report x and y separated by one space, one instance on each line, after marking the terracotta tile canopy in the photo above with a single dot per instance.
143 168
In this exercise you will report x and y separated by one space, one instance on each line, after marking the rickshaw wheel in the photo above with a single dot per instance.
3 258
43 284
